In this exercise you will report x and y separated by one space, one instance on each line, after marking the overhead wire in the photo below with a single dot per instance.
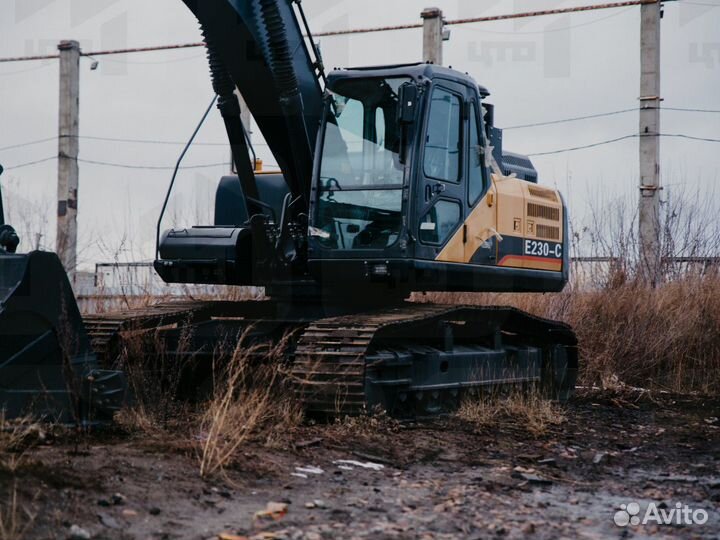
623 138
699 3
551 30
225 164
150 167
605 114
222 144
29 143
449 22
29 163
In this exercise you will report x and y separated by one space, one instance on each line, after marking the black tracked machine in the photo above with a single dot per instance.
393 179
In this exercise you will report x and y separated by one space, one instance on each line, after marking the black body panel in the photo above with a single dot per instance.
417 275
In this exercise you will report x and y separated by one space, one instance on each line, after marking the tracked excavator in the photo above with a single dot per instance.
393 180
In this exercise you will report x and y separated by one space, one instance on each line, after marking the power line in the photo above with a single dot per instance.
155 62
146 141
611 113
491 18
575 119
150 167
682 136
27 164
682 109
118 165
29 143
118 139
551 30
222 144
699 3
574 148
618 139
545 12
225 164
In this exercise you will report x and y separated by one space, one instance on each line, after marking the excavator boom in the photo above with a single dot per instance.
259 46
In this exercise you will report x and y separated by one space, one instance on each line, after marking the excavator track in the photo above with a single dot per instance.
350 364
330 357
411 357
104 330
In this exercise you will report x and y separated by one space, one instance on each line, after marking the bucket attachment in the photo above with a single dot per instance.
47 366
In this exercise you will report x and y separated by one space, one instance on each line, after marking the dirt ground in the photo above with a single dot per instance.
436 478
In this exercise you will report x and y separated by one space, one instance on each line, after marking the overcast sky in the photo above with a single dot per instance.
537 70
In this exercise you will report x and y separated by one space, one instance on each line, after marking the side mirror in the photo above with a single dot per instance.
407 103
488 117
408 96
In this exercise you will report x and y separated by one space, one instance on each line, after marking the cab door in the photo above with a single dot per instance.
480 234
475 241
441 178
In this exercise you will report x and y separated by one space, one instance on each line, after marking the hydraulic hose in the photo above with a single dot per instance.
229 107
280 60
283 71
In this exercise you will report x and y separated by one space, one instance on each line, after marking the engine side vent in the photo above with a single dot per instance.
542 193
543 212
547 231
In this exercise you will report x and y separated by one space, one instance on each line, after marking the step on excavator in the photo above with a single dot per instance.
393 180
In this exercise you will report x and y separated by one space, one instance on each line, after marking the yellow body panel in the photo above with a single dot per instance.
510 208
480 225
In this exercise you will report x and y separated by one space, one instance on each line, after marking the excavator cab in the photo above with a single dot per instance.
412 190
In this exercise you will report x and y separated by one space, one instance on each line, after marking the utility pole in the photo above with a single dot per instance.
69 116
649 207
433 35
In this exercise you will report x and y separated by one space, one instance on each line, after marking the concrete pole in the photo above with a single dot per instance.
69 115
649 207
433 35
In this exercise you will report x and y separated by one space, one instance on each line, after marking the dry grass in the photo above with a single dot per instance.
246 399
17 436
154 375
526 410
252 401
367 424
15 519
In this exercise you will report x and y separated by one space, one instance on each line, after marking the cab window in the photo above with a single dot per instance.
476 169
442 145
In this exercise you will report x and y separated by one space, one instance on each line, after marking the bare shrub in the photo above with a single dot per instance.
526 410
252 401
17 436
666 337
154 375
15 520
